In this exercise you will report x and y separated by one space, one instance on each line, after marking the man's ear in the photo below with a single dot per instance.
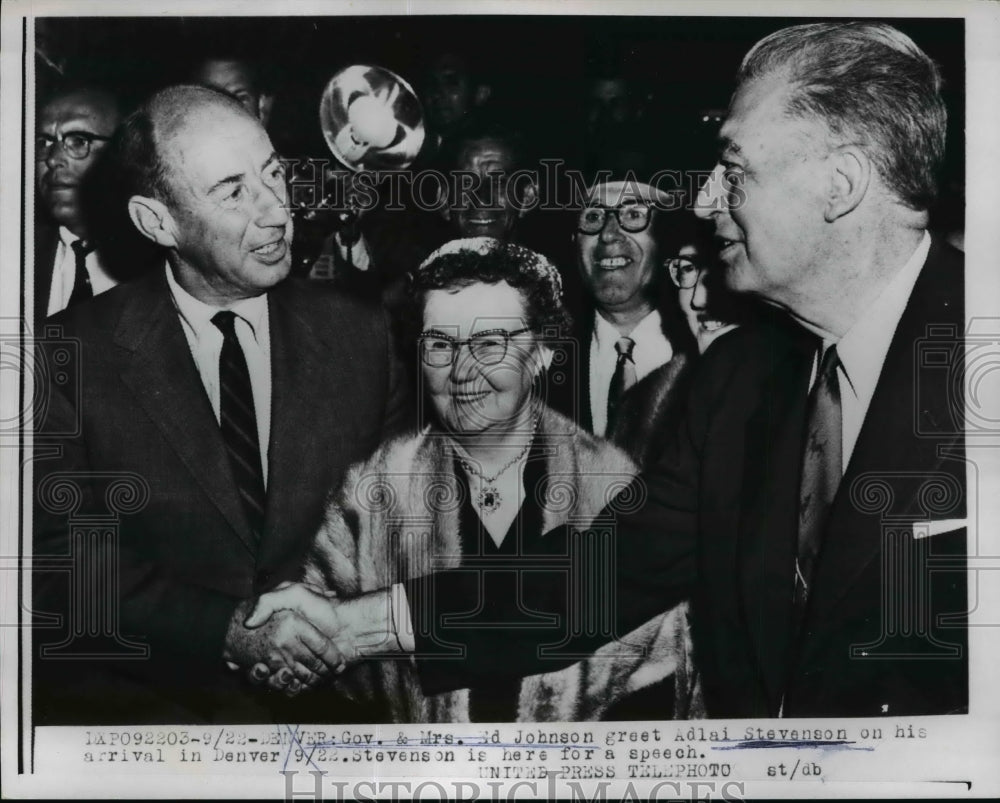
849 177
264 105
483 92
153 220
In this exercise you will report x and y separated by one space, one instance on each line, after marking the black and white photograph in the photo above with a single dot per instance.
442 400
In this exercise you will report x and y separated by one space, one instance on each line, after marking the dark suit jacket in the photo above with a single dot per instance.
884 632
185 553
129 257
570 395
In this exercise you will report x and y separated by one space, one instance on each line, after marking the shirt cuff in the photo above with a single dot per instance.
359 255
401 624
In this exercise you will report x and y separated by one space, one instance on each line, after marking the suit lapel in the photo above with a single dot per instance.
583 386
768 517
311 401
162 375
890 441
46 242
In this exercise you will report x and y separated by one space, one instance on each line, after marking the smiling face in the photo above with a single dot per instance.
618 266
59 176
490 210
468 396
766 194
694 302
228 204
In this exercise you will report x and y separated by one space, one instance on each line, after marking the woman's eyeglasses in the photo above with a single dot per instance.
488 348
684 272
632 218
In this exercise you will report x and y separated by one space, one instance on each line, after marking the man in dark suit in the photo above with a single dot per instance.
631 343
812 501
73 128
213 407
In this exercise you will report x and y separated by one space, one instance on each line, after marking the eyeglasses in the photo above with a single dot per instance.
633 218
684 272
487 348
76 144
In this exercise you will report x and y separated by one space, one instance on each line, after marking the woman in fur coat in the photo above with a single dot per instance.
493 471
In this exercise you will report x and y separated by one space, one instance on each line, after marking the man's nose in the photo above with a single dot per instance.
612 230
711 197
272 206
699 299
56 155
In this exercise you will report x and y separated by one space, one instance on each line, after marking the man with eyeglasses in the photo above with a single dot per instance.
72 129
633 341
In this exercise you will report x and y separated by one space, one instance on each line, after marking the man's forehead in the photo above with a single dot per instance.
211 140
226 73
759 124
492 153
94 109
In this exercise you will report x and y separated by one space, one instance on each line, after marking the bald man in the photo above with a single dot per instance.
228 398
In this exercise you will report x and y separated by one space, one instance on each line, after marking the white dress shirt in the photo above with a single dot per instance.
863 347
64 273
651 350
205 341
325 267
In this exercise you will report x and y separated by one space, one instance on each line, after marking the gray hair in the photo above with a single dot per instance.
871 85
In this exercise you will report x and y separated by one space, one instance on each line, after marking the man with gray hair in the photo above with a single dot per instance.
812 502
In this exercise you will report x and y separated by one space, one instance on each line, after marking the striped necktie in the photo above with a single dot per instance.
239 421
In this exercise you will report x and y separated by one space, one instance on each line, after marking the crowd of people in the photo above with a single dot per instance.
486 458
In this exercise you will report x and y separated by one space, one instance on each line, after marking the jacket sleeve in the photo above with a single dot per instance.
80 572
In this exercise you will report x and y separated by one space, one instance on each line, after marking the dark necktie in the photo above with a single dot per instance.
81 280
239 421
821 471
622 379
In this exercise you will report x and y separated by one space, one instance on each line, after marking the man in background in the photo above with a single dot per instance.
72 129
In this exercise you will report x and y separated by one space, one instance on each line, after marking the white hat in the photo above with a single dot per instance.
612 193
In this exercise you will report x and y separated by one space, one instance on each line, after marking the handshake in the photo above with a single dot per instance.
297 635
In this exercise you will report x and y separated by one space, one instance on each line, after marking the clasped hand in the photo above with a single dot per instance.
297 635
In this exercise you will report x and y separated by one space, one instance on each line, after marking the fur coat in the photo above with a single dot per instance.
400 509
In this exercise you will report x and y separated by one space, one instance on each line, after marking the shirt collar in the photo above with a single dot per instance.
198 315
606 334
67 237
863 347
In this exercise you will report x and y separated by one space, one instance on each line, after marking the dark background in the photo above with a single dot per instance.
538 67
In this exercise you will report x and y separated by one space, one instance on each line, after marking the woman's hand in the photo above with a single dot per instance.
313 604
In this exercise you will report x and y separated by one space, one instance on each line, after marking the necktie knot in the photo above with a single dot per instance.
81 248
624 346
829 364
225 322
82 288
